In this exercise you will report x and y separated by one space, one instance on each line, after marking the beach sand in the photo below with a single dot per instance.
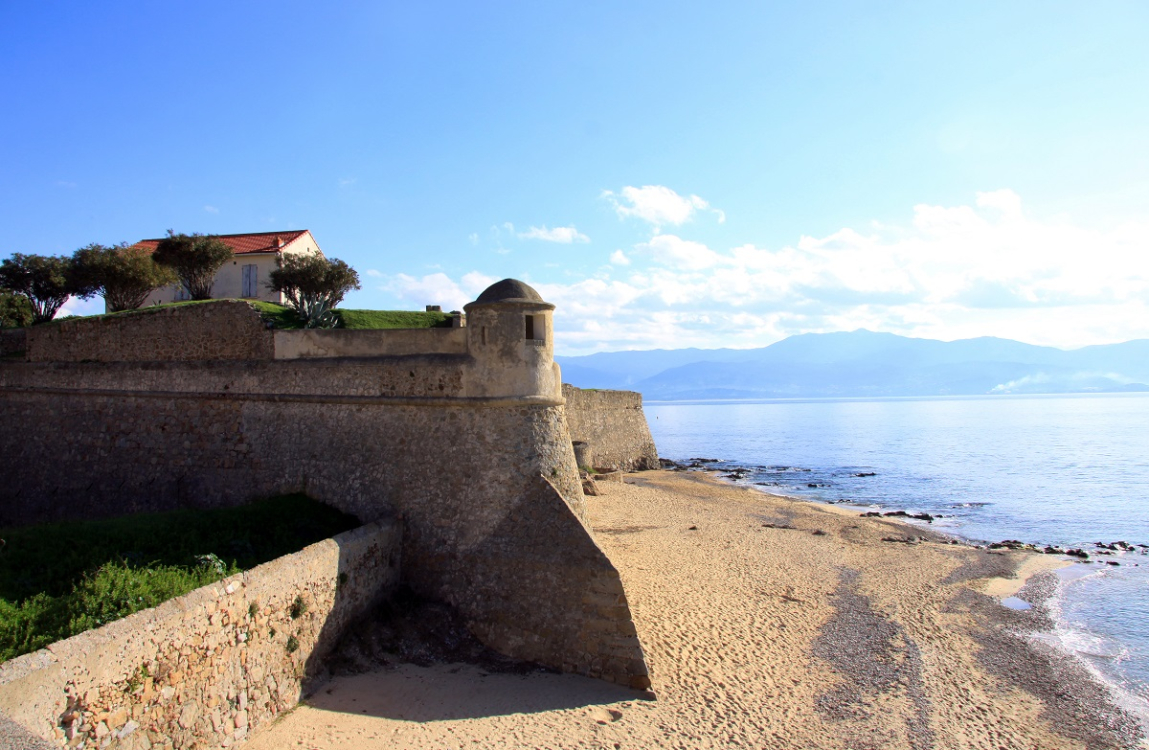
767 622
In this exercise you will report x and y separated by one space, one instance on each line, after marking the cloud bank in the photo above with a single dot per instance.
948 272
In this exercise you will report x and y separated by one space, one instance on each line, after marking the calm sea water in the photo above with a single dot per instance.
1061 470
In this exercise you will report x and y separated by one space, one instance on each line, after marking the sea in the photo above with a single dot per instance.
1069 471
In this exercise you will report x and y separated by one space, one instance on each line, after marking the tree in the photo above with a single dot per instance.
15 310
123 275
313 286
45 280
194 258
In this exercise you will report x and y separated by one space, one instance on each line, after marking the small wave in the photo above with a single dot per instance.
1091 644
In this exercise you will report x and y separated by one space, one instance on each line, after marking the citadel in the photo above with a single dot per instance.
453 446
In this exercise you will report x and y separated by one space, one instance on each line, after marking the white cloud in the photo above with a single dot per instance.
374 273
657 204
473 237
437 289
211 209
949 272
562 235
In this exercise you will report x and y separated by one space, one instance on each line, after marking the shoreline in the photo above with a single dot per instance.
766 622
1037 567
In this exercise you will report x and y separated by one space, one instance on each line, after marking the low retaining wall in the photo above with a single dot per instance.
613 426
204 669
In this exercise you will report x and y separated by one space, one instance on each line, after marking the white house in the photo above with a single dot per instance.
245 276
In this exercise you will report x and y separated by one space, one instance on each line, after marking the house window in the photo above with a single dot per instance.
250 278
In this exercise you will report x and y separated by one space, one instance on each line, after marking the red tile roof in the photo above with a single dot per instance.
241 244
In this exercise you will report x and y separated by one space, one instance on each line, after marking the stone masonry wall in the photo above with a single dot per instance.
613 425
371 437
205 669
222 329
13 340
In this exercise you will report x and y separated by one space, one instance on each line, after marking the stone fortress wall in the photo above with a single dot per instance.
13 341
210 666
468 447
613 426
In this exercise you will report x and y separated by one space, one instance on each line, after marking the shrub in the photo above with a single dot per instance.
123 275
313 286
194 258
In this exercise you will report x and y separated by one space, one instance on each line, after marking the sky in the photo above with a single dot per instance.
669 174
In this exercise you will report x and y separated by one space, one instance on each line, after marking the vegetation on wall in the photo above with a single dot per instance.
194 258
57 580
313 285
123 275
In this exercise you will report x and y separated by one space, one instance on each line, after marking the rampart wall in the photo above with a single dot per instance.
613 426
205 669
387 343
224 329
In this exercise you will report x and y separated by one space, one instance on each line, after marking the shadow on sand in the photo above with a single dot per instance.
461 691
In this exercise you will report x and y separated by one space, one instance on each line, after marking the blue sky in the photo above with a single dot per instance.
669 174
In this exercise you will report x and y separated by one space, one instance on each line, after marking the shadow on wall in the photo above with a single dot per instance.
365 577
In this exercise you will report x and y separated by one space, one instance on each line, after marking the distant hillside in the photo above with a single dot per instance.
863 363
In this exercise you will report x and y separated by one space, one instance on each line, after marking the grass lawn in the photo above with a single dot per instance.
382 319
60 579
284 318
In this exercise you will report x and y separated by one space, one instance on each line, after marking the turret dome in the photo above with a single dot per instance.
509 290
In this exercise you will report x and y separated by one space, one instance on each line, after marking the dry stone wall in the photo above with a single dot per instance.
205 669
613 426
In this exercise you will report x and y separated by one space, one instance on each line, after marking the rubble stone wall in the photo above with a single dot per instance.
204 669
614 427
221 329
13 340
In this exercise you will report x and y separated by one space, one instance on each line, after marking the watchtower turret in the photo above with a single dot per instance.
510 335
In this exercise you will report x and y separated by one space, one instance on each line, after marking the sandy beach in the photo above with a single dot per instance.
767 622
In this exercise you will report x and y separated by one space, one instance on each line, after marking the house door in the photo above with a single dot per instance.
249 281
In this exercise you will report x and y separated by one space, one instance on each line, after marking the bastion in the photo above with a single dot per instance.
457 438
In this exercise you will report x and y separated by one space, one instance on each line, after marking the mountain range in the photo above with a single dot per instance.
864 364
